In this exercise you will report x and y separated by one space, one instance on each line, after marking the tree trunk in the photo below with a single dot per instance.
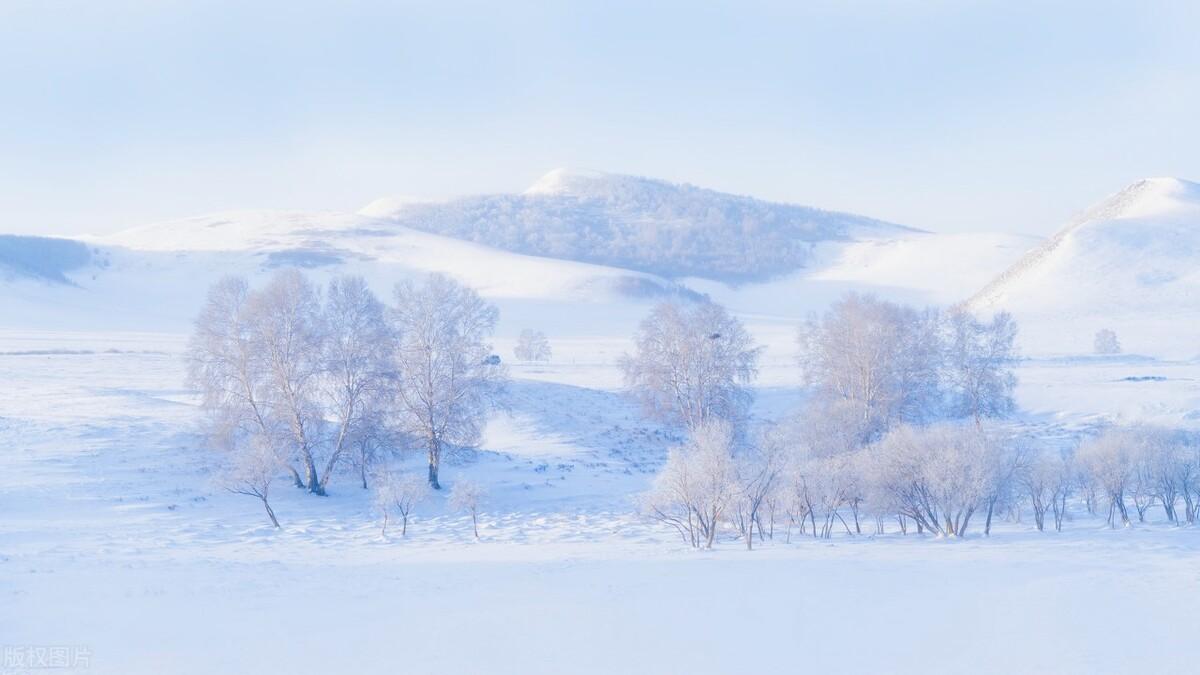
750 533
270 513
338 447
314 483
435 458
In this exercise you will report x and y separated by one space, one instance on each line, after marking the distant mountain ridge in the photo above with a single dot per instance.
644 224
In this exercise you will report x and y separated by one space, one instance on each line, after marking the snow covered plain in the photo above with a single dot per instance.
116 541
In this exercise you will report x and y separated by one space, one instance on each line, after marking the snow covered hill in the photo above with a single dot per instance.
153 277
640 223
1131 263
40 258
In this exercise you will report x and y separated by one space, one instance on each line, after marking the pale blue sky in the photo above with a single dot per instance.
942 115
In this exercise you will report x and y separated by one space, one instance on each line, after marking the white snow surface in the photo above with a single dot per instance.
115 540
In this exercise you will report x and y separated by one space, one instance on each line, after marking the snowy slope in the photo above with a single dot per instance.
153 277
1130 263
640 223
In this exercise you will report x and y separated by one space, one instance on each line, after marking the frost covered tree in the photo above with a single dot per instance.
372 440
532 345
874 362
448 376
286 328
1108 461
937 476
1046 481
467 495
759 471
250 472
399 493
823 472
1166 471
1106 342
289 371
227 367
697 485
1142 465
979 359
357 370
692 365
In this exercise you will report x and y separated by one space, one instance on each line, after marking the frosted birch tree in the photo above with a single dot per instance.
399 493
872 361
250 472
448 376
290 372
692 365
937 476
979 359
1046 480
532 345
357 348
468 496
287 330
759 471
229 370
697 485
1108 462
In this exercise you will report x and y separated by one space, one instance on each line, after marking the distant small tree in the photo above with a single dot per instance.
399 493
1106 342
466 495
532 345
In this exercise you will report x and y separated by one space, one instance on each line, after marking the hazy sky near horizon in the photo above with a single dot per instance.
949 116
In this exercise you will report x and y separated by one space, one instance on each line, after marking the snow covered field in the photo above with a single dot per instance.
116 541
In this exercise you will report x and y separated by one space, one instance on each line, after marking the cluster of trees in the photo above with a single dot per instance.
646 225
942 478
900 426
873 364
870 365
1140 467
304 380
